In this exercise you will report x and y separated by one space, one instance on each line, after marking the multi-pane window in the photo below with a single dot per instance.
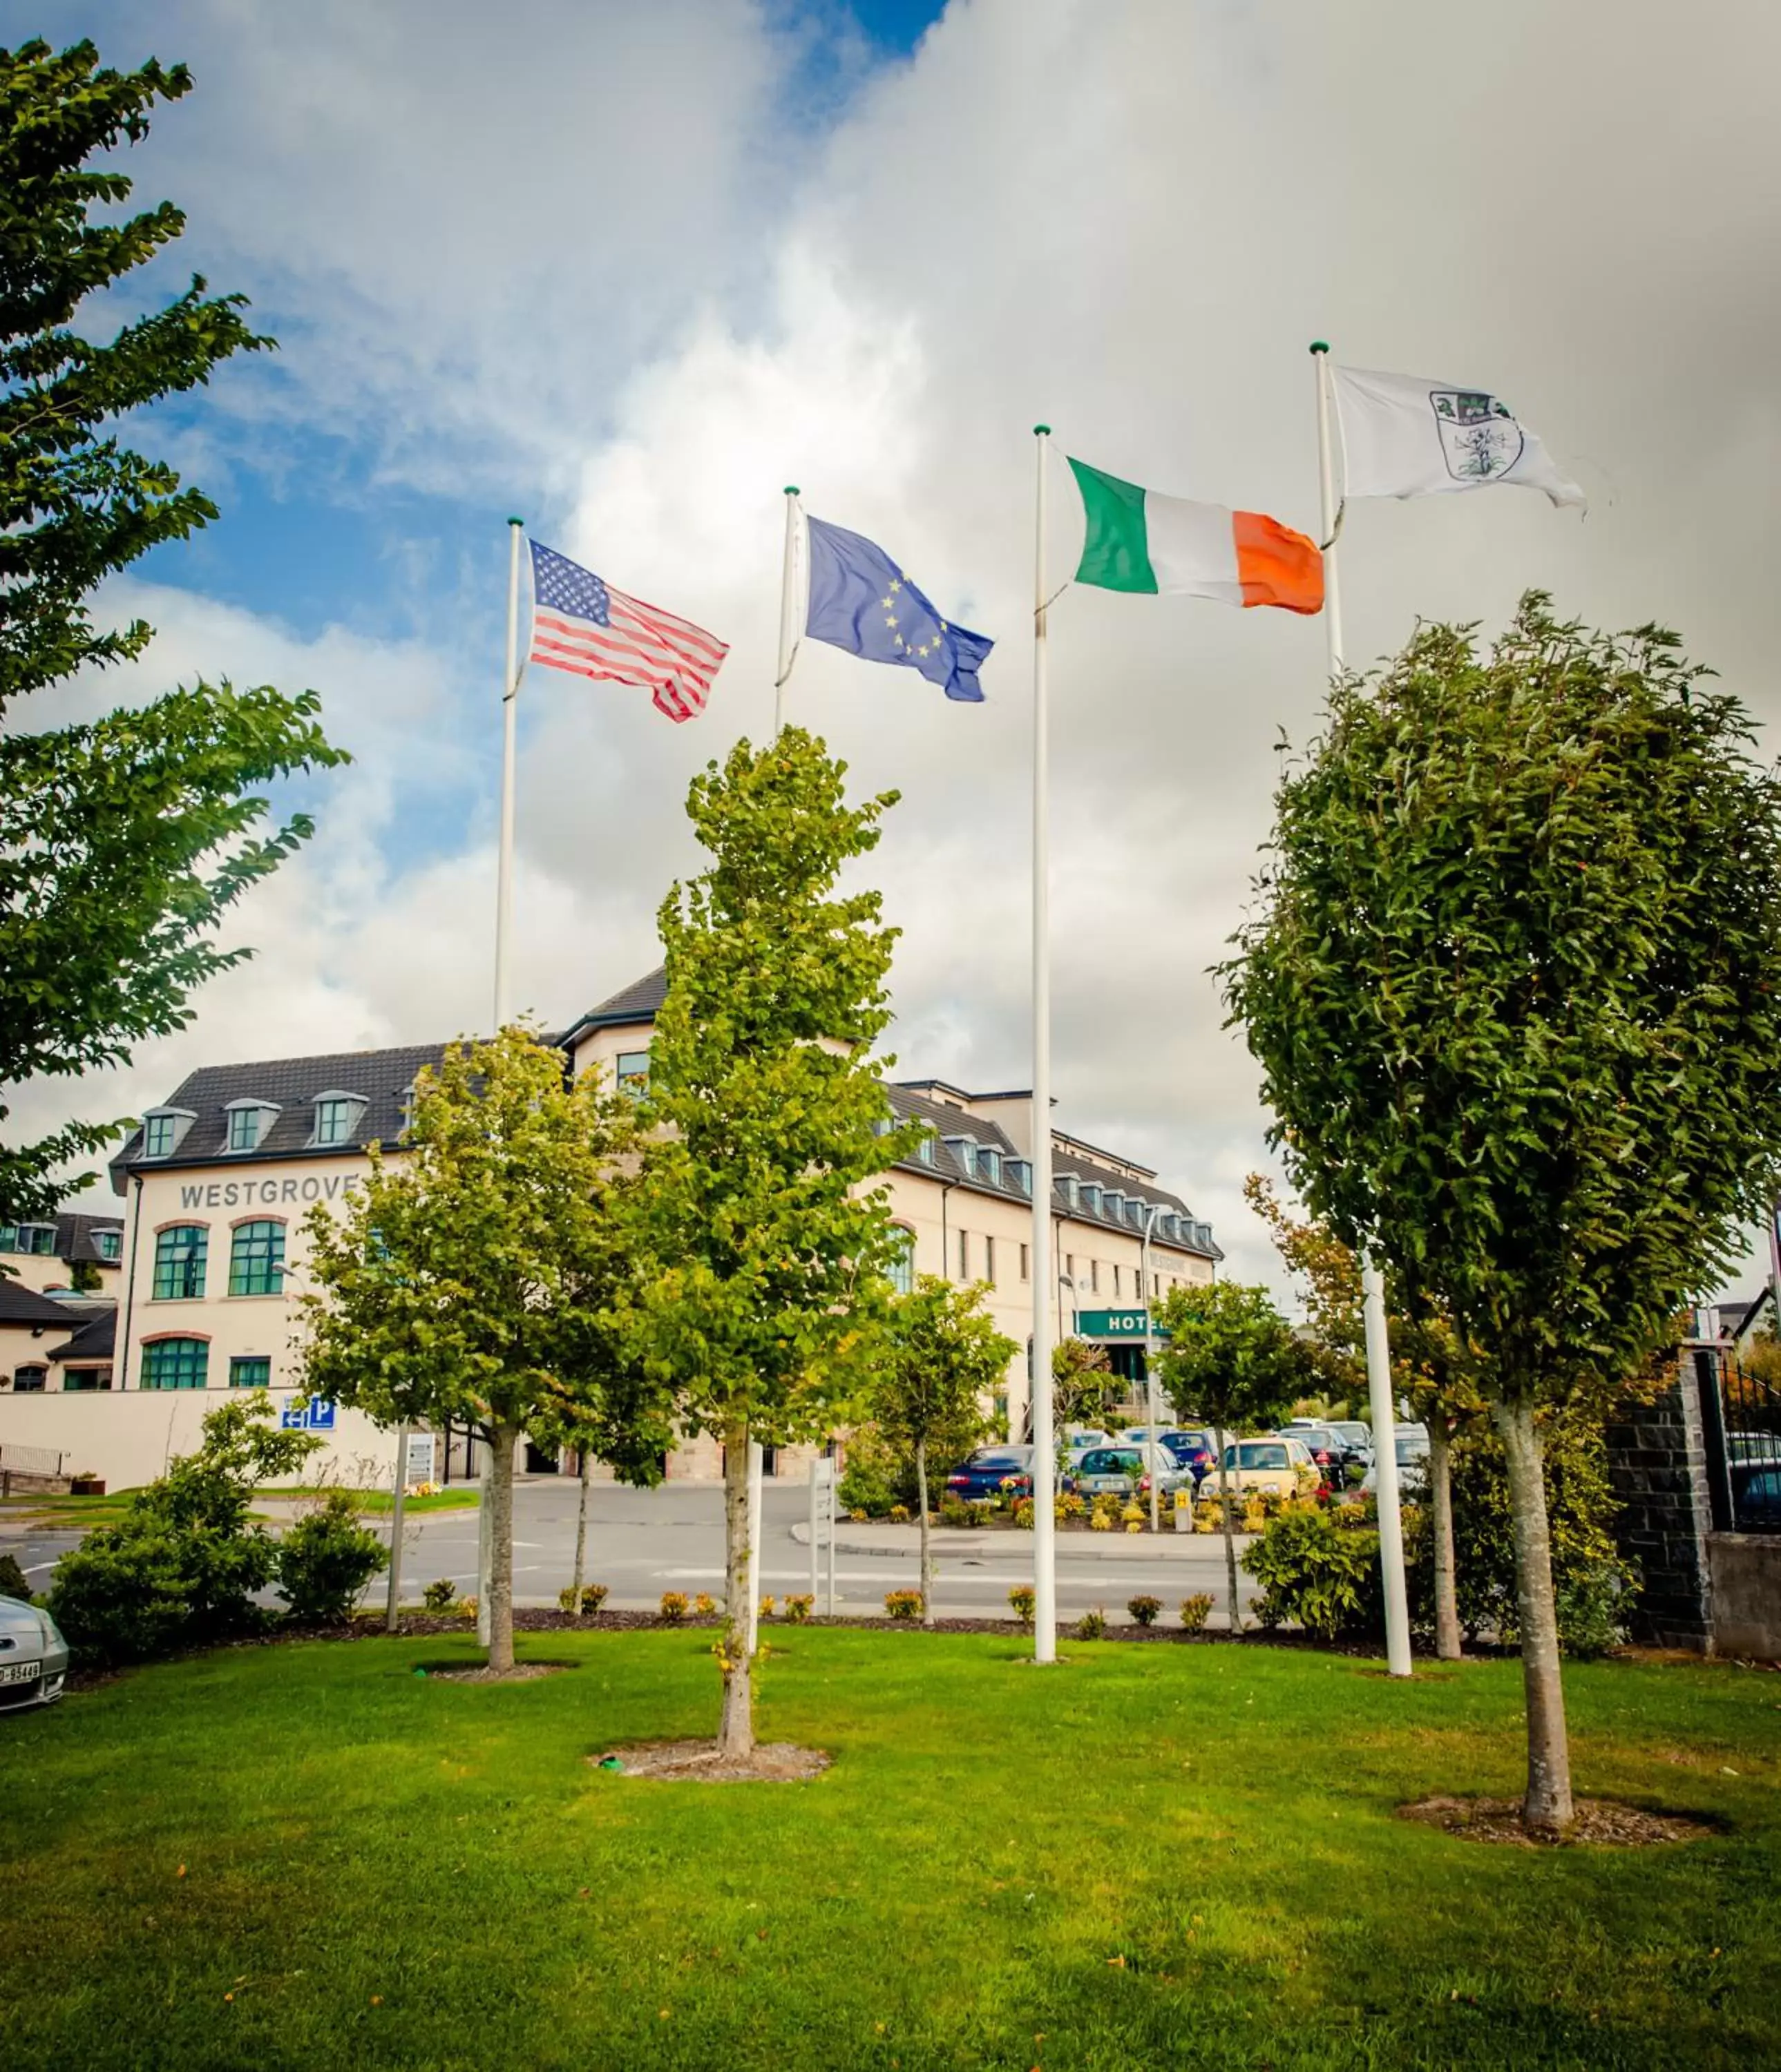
990 1261
633 1072
36 1238
256 1260
85 1380
965 1256
179 1253
175 1363
335 1116
158 1136
109 1244
246 1125
254 1372
902 1262
29 1380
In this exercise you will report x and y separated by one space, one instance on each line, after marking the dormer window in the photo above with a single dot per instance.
36 1239
965 1149
109 1244
989 1163
1019 1173
1113 1205
1091 1197
249 1123
336 1117
924 1151
163 1131
1136 1211
1071 1189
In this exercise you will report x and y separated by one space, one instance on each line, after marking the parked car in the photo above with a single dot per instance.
1358 1437
33 1657
1756 1497
1195 1448
1128 1471
1328 1449
1413 1462
1083 1437
1747 1447
984 1473
1279 1465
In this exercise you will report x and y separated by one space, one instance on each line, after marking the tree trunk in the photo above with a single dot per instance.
503 1440
1547 1807
736 1733
1440 1505
926 1542
1229 1525
580 1577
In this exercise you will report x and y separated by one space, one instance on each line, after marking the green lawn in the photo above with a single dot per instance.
386 1870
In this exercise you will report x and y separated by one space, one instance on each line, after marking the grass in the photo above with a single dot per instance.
307 1855
381 1501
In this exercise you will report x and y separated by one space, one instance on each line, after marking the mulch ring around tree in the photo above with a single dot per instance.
521 1672
1599 1823
701 1762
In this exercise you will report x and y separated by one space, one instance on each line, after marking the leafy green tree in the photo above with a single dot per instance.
123 841
944 1359
766 1290
1083 1383
478 1275
1231 1360
181 1566
1515 983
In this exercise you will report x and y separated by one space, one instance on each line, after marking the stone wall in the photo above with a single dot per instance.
1657 1468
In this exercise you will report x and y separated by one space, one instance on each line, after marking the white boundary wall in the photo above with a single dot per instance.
128 1436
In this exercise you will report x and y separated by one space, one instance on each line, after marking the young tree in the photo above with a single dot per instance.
1231 1359
945 1359
478 1275
1515 985
1082 1382
1428 1367
764 1301
124 841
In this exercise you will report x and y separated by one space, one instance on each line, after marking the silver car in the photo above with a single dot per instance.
33 1657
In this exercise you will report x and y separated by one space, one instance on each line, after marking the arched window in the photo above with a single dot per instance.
29 1380
175 1363
902 1262
180 1252
256 1260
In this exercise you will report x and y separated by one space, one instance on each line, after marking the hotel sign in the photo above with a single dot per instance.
1120 1325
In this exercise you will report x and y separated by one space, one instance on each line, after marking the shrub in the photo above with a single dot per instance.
704 1605
1315 1573
440 1596
673 1607
904 1606
592 1597
1100 1521
899 1513
769 1605
181 1566
1132 1514
1073 1505
1091 1626
566 1598
468 1607
1194 1610
798 1610
1023 1602
326 1560
954 1511
1143 1610
1023 1513
875 1476
12 1580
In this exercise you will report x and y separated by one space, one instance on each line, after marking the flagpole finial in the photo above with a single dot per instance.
790 489
1042 431
515 521
1320 345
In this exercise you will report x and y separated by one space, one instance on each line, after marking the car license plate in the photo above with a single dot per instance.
19 1672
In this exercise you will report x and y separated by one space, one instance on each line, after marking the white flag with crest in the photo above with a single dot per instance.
1402 437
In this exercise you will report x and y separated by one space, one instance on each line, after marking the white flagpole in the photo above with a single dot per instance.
510 691
1372 1281
1045 1590
788 637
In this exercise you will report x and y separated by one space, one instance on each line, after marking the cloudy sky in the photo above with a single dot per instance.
627 269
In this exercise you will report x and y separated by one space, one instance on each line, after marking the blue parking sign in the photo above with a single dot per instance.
317 1415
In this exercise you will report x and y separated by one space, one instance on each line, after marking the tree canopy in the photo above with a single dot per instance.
123 841
1514 981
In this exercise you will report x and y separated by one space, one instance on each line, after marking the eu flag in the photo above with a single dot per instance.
862 601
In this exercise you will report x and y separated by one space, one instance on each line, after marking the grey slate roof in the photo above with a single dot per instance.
25 1306
641 1001
290 1084
96 1339
75 1233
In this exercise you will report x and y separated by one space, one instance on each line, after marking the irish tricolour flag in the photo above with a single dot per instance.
1138 540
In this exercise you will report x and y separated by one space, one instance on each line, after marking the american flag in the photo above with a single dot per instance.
587 628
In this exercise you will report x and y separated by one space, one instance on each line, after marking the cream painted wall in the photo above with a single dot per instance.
41 1271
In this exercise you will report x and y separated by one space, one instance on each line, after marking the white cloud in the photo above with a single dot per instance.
630 273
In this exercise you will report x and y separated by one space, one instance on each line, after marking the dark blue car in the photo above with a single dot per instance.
983 1472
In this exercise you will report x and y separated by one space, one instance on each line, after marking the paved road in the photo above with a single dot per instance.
642 1542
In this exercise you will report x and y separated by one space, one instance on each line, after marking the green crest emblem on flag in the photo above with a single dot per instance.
1479 438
